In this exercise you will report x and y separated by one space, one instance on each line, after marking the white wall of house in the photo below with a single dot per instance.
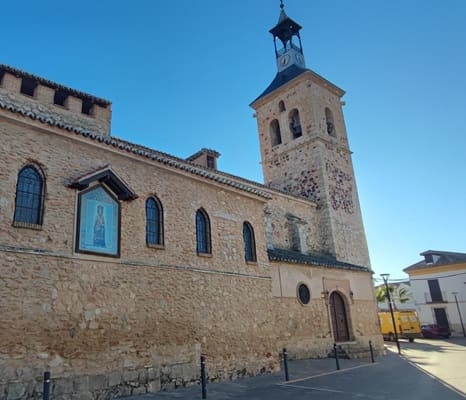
449 282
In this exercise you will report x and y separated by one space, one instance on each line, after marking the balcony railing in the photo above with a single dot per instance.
440 298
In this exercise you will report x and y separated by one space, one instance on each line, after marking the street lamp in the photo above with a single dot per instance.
385 280
459 312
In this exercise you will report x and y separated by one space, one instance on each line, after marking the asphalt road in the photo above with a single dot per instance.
409 376
443 358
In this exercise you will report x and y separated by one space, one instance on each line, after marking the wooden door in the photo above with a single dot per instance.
441 318
339 320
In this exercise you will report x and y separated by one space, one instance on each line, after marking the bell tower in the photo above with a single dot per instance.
304 145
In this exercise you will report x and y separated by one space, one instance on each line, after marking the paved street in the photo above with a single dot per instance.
444 359
392 377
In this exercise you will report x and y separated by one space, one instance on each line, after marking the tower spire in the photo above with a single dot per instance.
287 31
283 15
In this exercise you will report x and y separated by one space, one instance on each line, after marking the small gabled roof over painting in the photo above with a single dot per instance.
434 258
110 178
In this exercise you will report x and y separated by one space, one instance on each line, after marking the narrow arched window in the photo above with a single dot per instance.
249 242
295 123
29 196
275 134
203 232
154 221
329 121
281 106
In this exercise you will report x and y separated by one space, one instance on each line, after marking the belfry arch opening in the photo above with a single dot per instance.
295 123
330 124
275 134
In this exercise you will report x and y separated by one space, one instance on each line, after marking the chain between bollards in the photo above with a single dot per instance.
46 391
372 351
336 355
203 380
285 364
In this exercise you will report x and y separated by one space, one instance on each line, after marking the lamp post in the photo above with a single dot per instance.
385 280
459 312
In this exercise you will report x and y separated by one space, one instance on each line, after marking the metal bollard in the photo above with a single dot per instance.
336 355
46 391
203 380
285 364
372 351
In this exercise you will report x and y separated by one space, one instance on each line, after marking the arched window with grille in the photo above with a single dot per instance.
154 221
29 203
249 242
203 232
275 134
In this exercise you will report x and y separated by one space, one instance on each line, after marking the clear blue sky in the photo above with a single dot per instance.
181 73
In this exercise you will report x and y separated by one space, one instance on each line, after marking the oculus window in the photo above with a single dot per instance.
304 295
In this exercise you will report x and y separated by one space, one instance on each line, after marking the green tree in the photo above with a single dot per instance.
397 294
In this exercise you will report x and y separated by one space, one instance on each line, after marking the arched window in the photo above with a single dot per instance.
29 196
249 242
281 106
275 134
154 221
295 123
203 232
329 121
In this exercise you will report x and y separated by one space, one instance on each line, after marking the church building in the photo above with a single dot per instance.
120 265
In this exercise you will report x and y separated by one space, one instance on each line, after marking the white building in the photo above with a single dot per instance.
438 285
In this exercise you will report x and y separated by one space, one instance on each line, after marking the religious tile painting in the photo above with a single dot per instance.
98 222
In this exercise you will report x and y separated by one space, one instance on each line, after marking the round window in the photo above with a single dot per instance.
303 294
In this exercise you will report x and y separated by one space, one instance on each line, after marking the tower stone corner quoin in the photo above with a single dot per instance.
122 264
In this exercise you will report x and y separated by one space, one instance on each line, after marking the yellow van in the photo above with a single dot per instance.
407 325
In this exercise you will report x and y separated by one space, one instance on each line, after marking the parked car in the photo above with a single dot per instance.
435 331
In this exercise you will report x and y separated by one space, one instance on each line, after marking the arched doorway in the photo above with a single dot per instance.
339 320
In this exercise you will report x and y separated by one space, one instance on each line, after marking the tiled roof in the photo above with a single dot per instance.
111 179
438 259
290 73
202 151
281 78
230 180
295 257
21 74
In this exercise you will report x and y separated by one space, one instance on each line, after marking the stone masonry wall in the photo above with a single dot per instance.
114 321
98 322
281 213
307 329
316 166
